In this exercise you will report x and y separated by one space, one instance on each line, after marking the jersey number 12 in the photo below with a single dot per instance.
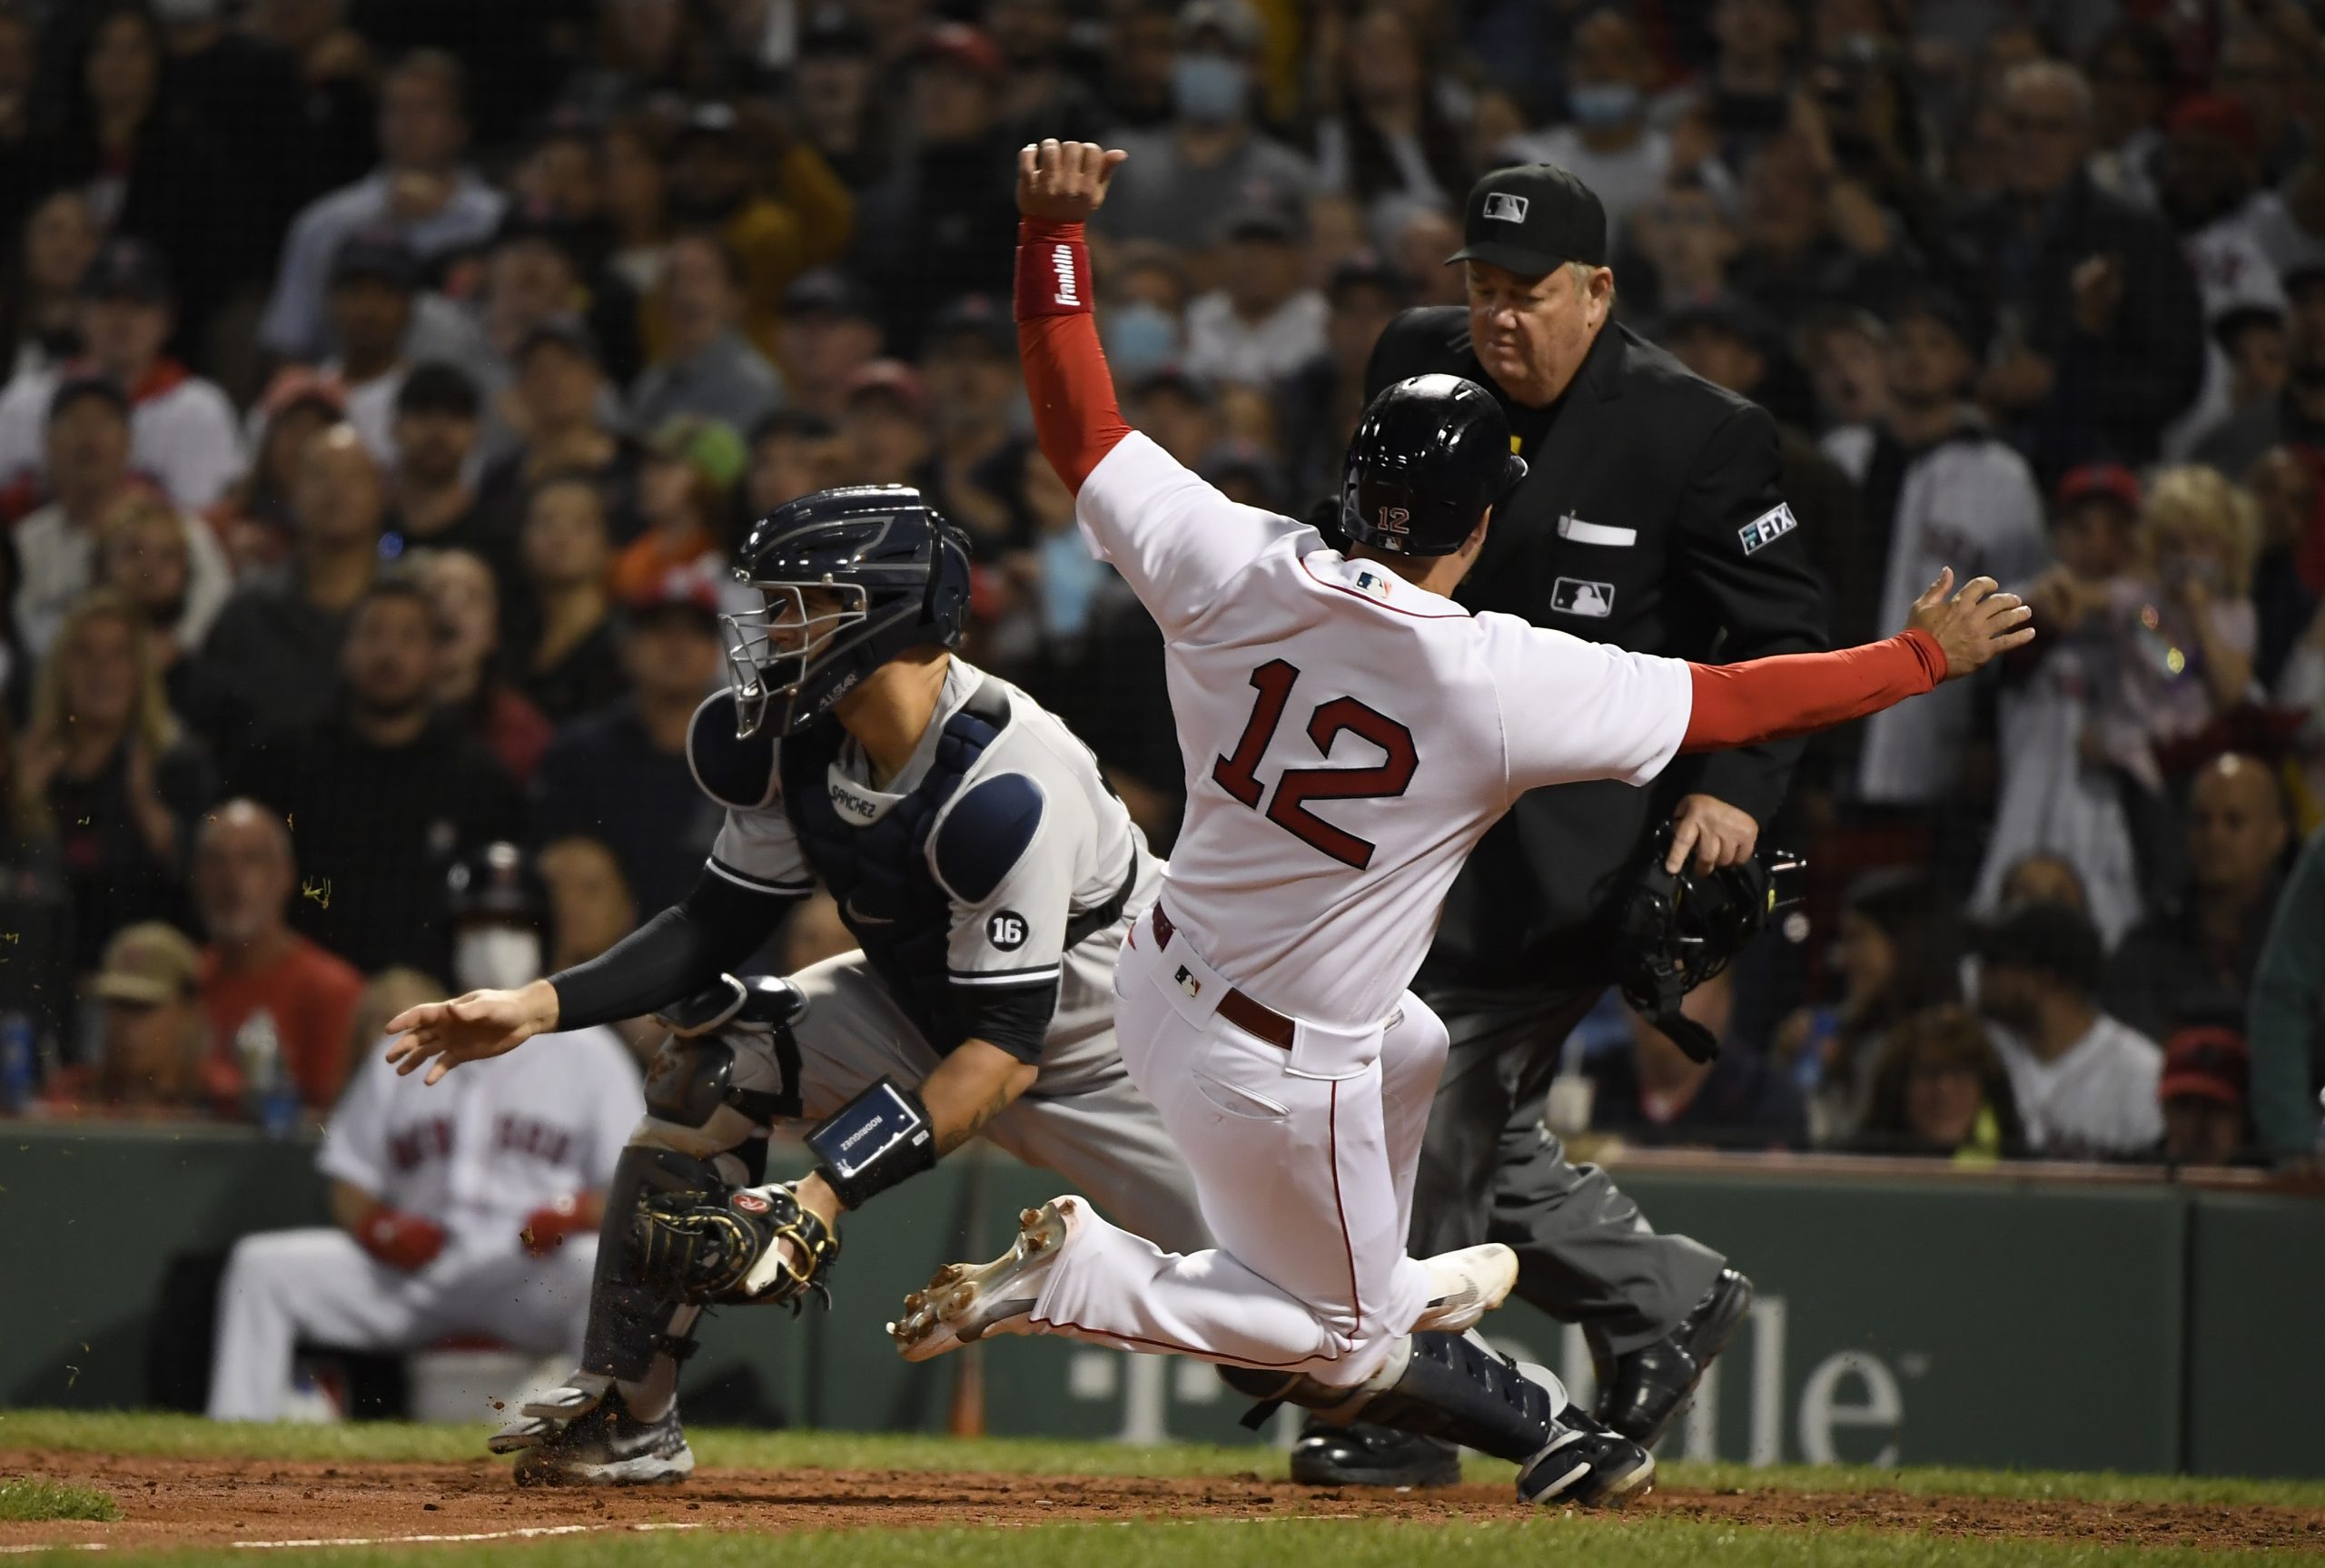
1289 809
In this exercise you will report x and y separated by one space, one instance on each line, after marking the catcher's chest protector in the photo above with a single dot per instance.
878 873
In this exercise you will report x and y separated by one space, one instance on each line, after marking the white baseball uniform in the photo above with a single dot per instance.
477 1154
1349 738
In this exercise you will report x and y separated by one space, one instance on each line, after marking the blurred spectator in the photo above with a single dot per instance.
421 191
339 117
572 666
36 907
183 432
770 198
706 365
1810 236
1325 397
2210 195
369 307
2259 70
468 1206
88 472
1845 351
471 684
792 455
529 282
1943 1091
647 48
2284 496
883 423
970 368
1178 413
107 762
255 521
621 776
165 563
149 166
835 99
1609 143
2285 1019
1747 94
244 881
1654 1093
149 1059
1262 324
431 502
589 904
1040 94
40 319
2295 417
1418 249
691 466
2041 878
633 154
829 330
2056 792
561 411
2086 1084
944 223
1183 181
1140 48
2101 336
2185 629
244 88
1898 952
381 792
2130 72
272 659
1940 490
1389 133
1144 315
1679 244
2202 1092
2193 962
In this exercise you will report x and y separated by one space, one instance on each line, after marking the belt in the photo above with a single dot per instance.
1236 1008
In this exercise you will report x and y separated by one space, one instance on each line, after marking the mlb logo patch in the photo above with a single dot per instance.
1374 583
1766 528
1580 597
1188 983
1509 209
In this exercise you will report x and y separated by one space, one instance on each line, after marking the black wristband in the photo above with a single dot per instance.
875 1141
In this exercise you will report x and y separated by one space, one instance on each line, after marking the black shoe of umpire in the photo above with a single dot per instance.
1644 1389
1363 1456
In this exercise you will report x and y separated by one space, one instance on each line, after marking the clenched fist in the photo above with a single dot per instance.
1065 181
1973 625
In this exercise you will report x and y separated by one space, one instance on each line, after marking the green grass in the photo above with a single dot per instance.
142 1433
1600 1543
28 1500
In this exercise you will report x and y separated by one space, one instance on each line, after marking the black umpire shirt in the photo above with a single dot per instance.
1649 519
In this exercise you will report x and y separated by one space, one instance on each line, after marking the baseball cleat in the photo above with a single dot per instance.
1588 1465
1465 1285
1641 1391
583 1435
1365 1455
963 1302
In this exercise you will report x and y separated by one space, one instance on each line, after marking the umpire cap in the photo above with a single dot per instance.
1429 456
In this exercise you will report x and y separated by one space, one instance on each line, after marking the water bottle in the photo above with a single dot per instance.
267 1086
19 1062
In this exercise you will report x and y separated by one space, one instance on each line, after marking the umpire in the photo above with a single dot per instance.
1650 518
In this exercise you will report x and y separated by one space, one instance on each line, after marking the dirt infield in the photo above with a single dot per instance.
210 1501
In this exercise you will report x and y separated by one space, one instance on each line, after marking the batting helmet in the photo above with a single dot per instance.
1429 456
889 573
496 881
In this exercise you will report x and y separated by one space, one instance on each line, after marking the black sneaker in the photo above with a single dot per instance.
1642 1390
583 1435
1362 1455
1588 1465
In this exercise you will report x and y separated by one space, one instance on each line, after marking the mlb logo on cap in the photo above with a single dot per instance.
1501 204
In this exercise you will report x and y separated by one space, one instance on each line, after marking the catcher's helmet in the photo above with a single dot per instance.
496 881
897 574
1429 456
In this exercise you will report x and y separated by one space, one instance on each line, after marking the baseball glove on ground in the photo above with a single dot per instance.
728 1248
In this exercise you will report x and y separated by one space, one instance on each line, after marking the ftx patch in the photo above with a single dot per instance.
1767 528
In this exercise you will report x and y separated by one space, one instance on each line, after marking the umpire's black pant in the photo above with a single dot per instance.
1490 1171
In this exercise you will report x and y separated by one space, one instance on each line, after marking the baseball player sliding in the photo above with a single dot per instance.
1350 733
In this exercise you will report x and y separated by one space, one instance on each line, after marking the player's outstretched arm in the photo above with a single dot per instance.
1948 635
441 1035
1076 418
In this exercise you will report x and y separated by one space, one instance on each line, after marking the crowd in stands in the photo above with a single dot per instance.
388 382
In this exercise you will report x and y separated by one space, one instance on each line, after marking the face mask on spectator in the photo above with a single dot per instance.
1070 578
1602 103
1142 337
1209 89
495 958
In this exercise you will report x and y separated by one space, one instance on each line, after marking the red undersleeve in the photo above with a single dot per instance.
1075 418
1773 699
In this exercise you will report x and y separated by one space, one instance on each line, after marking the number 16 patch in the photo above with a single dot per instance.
1767 528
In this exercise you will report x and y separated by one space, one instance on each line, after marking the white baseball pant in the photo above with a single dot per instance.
1303 1161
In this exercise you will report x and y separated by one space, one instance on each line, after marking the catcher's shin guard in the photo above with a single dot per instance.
629 1321
1437 1385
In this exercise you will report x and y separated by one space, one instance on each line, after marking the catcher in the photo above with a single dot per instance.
988 873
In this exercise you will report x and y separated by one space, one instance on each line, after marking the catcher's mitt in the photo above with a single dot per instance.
727 1247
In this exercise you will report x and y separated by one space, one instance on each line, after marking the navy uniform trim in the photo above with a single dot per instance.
984 834
739 773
